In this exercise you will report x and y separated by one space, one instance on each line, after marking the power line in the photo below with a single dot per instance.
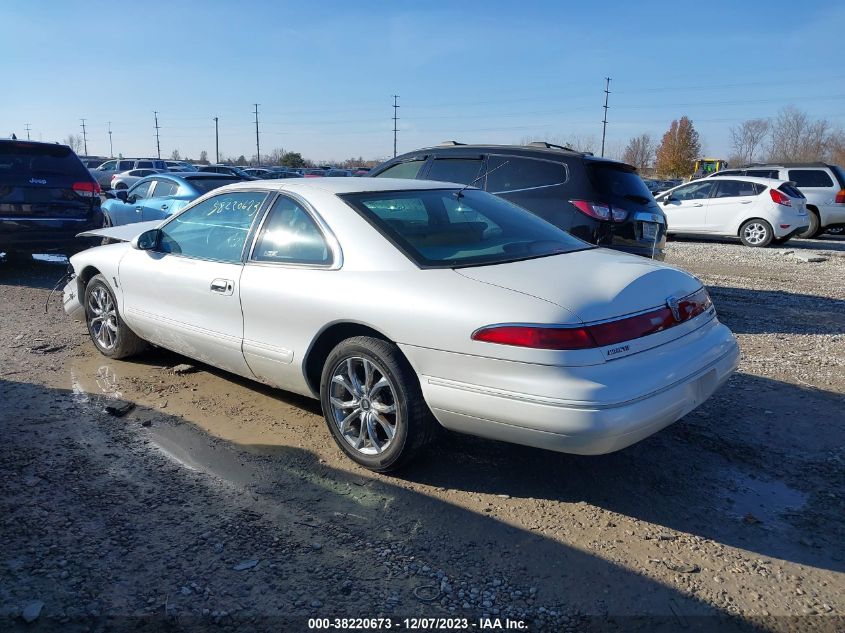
257 146
604 121
158 144
111 149
395 121
84 136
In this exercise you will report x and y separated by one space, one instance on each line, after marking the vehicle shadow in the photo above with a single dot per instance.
38 272
736 474
294 494
747 311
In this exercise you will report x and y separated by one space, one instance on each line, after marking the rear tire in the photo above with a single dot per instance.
815 225
111 336
373 404
756 233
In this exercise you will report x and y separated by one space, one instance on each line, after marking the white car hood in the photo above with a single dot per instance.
124 232
595 284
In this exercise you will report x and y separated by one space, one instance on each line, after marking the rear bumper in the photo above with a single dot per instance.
46 236
791 232
553 419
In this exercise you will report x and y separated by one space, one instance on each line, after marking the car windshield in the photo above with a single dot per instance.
447 228
204 185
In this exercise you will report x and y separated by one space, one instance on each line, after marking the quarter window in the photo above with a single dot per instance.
408 169
290 236
461 170
214 229
507 173
810 178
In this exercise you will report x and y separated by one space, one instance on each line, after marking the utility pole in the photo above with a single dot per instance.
395 121
27 126
111 150
257 146
604 121
158 144
216 142
84 136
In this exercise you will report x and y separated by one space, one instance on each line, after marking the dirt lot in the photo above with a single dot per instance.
219 503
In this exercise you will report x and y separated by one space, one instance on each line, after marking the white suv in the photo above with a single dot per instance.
759 211
823 185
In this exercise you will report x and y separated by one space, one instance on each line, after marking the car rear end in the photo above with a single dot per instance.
788 209
627 216
47 196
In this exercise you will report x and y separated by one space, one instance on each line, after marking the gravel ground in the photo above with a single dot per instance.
214 502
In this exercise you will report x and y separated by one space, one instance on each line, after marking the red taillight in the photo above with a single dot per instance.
840 197
86 189
778 197
599 335
600 210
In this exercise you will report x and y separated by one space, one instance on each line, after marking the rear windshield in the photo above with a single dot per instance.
791 191
840 175
25 159
614 180
443 228
204 185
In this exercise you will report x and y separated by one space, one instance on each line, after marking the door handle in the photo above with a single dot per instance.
223 286
163 207
745 201
138 209
698 204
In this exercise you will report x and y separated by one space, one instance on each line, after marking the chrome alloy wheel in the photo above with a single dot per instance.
102 318
755 233
363 405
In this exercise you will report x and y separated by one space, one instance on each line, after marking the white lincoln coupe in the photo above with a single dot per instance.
404 304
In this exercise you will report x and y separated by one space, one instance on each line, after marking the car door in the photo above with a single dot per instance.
288 278
158 205
686 206
127 211
731 203
184 294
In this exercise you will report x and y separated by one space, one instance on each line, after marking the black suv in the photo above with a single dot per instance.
47 196
601 201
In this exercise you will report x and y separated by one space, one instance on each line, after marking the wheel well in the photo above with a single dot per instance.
83 278
326 342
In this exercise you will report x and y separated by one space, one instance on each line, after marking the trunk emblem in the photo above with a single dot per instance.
674 305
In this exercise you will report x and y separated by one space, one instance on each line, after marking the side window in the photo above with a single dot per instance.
734 189
290 236
758 188
695 191
763 173
810 178
164 188
408 169
508 173
215 228
144 164
108 166
140 191
125 165
460 170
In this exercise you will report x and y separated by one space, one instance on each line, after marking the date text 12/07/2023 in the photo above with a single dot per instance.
417 624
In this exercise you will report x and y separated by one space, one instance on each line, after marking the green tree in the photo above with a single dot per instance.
293 159
679 149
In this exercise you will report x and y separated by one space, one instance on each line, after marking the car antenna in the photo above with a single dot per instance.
460 194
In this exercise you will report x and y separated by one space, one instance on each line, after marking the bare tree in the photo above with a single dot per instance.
74 141
175 155
203 157
639 152
797 137
747 140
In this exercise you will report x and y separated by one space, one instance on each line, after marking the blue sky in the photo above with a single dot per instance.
475 71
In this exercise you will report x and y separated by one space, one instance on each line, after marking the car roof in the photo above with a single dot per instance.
777 165
769 182
342 185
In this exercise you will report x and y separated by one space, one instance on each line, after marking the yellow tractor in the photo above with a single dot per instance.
706 166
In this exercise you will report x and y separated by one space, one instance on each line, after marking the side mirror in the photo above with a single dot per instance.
121 194
147 240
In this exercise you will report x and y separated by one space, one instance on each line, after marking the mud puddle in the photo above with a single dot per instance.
767 501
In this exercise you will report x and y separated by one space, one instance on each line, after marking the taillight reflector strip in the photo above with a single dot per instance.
600 334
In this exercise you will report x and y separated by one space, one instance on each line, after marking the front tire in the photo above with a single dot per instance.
111 336
373 404
756 233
